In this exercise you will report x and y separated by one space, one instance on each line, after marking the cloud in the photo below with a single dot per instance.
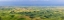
45 0
39 0
6 0
11 0
24 0
60 0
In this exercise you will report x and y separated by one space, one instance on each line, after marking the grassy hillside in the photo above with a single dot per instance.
32 13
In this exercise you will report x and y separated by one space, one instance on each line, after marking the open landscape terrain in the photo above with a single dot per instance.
31 13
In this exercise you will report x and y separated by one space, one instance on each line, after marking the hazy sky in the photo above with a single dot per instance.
31 2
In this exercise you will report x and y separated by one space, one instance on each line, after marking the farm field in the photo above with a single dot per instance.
31 13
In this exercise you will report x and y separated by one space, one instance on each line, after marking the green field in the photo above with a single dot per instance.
31 13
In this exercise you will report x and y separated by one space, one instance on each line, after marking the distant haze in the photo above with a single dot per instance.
31 2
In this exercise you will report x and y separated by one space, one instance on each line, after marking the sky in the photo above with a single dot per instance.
31 2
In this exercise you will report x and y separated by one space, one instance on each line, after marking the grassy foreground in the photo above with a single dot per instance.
31 13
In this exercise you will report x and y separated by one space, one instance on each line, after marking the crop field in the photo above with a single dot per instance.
31 13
